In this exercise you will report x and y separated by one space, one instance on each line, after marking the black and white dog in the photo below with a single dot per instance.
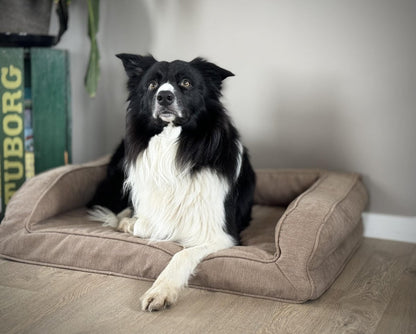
182 168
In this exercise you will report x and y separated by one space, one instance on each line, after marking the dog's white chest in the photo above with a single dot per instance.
170 203
158 162
155 171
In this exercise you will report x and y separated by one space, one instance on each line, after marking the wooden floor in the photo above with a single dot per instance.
376 293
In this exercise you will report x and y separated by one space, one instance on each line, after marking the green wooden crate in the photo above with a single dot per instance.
44 73
12 153
50 103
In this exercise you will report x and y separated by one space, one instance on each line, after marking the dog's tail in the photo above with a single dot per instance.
108 217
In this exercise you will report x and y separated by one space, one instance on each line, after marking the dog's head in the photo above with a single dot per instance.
171 92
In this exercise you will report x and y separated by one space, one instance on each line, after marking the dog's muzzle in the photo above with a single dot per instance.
165 98
166 106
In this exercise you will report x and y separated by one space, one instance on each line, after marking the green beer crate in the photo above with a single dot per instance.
35 131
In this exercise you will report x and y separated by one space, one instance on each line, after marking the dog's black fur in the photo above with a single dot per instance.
208 138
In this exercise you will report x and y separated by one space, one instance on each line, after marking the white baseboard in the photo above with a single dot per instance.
399 228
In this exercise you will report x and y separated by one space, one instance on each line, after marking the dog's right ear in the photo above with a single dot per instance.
136 65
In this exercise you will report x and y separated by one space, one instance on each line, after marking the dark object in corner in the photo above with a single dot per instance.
28 39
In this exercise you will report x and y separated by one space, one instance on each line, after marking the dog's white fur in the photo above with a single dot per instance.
172 204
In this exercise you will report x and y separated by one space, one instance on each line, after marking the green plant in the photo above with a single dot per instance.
93 70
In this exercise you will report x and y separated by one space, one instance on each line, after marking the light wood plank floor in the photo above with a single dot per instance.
376 293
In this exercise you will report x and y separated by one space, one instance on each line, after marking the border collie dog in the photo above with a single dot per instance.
182 169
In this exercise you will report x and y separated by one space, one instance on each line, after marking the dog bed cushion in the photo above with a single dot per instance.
306 225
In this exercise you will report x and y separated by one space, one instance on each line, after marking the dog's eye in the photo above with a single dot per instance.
185 83
153 85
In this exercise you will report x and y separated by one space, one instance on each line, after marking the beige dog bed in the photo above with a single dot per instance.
306 225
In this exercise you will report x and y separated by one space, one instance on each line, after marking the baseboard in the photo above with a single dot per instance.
380 226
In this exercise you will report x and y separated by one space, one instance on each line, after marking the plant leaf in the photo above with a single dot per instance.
93 70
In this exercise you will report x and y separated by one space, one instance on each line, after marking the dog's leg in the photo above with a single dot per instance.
126 224
164 291
125 221
139 227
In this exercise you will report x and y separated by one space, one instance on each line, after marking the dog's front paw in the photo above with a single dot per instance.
126 225
159 297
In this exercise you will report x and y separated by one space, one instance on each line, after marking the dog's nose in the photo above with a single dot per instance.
165 98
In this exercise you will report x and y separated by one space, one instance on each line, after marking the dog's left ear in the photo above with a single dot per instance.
136 65
211 71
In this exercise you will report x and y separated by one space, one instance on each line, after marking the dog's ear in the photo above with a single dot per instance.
136 65
211 71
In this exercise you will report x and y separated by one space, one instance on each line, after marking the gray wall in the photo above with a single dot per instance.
327 84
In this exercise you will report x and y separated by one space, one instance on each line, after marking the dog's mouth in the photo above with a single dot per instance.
167 115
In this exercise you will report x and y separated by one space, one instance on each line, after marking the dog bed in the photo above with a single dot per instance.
306 225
